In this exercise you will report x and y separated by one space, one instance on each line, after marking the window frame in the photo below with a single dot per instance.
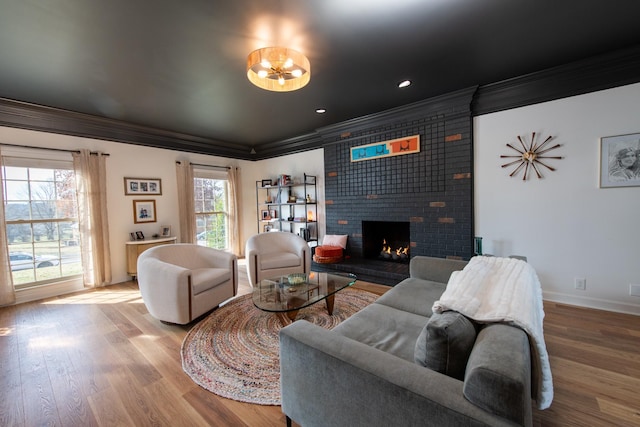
54 161
208 174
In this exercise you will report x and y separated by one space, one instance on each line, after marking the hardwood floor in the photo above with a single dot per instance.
99 359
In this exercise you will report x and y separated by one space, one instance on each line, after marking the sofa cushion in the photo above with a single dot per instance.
203 279
445 343
498 375
385 328
335 240
269 261
413 295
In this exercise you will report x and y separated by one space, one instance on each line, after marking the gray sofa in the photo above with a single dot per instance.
397 363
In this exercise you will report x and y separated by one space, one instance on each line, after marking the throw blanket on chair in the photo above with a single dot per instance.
493 289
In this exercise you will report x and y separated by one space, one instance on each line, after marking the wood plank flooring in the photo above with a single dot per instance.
98 358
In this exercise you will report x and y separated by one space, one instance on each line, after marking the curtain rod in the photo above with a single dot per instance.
208 166
50 149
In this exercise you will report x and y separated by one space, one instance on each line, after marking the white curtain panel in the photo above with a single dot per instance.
7 293
186 204
91 188
234 220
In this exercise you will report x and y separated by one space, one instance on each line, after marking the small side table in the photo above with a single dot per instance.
136 247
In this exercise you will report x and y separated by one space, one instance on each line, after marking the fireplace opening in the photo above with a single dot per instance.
386 240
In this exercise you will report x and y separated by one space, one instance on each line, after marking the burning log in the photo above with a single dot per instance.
398 254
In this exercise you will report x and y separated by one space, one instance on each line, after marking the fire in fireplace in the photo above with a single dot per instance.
389 252
386 240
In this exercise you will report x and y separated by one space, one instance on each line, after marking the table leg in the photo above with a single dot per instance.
292 314
287 317
329 301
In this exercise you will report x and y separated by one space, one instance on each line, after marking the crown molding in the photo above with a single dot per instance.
28 116
613 69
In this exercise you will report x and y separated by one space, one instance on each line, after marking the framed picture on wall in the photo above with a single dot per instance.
136 186
144 211
620 161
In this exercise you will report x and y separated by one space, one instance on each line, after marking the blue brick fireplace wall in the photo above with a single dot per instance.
432 189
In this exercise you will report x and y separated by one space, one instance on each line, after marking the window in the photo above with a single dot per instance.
41 220
211 209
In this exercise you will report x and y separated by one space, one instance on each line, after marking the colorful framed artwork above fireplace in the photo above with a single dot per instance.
394 147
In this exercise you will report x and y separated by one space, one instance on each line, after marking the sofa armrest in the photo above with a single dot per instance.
434 269
498 373
330 380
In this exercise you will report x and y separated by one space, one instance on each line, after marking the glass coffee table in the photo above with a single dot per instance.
286 295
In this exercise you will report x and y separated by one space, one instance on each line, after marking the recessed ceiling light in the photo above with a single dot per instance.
404 84
321 110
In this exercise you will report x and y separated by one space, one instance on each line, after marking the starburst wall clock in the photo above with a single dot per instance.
529 158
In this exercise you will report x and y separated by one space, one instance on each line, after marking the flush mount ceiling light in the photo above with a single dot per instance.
278 69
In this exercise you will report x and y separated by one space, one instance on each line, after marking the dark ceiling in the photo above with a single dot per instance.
180 65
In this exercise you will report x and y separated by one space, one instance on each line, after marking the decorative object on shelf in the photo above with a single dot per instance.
278 69
529 157
265 215
308 199
165 230
145 186
620 161
477 245
291 199
284 180
394 147
139 235
305 234
144 211
266 183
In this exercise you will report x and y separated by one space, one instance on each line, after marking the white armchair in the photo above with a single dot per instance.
275 254
181 282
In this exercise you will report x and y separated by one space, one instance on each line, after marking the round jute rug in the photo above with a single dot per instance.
234 351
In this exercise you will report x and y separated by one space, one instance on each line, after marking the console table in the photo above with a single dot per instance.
136 247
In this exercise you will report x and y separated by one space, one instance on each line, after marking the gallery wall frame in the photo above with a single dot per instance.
142 186
620 161
144 211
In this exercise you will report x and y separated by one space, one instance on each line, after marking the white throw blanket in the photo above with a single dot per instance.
493 289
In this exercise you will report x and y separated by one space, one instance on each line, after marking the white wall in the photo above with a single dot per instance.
127 160
564 223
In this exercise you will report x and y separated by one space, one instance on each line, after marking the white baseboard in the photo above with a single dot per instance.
47 291
599 304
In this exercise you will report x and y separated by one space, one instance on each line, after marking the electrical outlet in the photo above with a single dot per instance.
634 290
580 283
